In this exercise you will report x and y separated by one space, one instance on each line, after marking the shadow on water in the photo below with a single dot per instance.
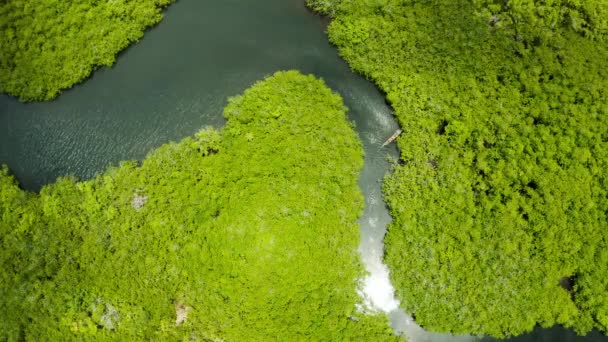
177 79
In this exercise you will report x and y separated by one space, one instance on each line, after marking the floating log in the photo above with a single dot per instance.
392 138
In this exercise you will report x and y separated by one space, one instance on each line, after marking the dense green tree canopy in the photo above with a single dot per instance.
500 201
49 45
248 233
542 19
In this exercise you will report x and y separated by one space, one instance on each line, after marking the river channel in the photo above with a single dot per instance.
177 79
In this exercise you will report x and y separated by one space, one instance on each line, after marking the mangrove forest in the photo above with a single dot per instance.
491 223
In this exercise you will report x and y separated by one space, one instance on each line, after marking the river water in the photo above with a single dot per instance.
177 79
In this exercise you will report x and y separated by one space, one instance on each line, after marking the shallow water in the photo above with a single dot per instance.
177 79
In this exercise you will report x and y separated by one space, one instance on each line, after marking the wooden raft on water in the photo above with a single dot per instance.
392 138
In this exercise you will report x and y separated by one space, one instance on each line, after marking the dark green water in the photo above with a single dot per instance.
177 79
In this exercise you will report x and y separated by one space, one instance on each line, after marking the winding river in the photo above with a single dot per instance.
177 79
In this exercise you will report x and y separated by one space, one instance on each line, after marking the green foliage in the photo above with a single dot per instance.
249 233
500 203
326 7
537 19
49 45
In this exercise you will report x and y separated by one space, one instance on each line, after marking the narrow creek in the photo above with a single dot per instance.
177 79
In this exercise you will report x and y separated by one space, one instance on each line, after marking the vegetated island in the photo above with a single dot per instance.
500 198
50 45
249 233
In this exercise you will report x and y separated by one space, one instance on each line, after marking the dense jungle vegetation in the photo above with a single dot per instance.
500 197
50 45
245 234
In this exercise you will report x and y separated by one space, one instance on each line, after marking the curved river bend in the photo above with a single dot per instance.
177 79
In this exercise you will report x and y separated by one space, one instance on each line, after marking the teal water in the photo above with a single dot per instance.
177 79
